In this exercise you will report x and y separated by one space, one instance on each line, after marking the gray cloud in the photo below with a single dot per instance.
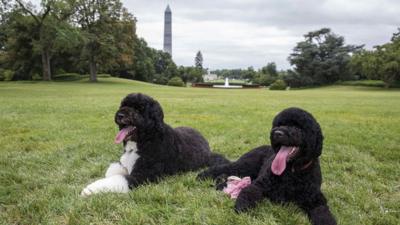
242 33
236 33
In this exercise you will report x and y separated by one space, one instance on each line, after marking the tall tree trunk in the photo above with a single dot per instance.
93 69
46 64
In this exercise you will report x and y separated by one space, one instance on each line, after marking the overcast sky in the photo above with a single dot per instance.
242 33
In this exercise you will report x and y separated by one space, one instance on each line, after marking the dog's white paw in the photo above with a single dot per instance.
116 183
86 192
116 169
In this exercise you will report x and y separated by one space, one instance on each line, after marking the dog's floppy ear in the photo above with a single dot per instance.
313 138
152 113
156 115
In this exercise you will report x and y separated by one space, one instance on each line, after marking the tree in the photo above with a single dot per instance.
17 50
195 74
100 20
39 23
248 74
198 60
45 26
143 61
382 63
322 56
270 69
365 64
390 72
190 74
293 79
389 58
164 64
396 36
266 75
123 57
4 17
77 36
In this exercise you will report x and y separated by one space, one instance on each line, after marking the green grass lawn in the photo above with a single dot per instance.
56 137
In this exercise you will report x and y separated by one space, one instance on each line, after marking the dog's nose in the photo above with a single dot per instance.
120 116
278 133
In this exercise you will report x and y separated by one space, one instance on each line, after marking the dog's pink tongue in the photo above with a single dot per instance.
279 163
122 134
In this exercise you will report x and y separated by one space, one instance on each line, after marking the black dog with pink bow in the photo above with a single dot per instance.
286 171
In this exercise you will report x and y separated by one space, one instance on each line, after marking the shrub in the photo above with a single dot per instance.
295 80
278 85
266 79
176 81
1 75
160 79
36 76
60 71
6 75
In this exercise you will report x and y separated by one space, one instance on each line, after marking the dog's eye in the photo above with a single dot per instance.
139 109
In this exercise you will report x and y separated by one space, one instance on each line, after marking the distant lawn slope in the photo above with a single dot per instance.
56 137
368 83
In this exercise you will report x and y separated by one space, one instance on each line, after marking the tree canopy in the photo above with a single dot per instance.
322 57
77 36
198 60
381 63
91 37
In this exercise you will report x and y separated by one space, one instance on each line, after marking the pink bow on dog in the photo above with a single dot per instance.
235 185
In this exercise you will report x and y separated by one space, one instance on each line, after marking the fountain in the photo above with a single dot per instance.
226 82
213 84
226 85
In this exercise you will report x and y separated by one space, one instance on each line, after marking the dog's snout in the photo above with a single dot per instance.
120 116
279 133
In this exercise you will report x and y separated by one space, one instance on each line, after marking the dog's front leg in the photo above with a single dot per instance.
321 215
135 180
141 176
248 198
116 183
316 207
116 168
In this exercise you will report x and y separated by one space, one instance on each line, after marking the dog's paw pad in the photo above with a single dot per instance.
86 192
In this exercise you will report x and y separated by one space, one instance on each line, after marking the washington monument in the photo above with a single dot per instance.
168 30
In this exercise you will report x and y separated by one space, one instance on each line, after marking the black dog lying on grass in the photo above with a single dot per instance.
152 149
286 171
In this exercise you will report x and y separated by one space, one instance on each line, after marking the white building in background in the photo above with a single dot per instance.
210 76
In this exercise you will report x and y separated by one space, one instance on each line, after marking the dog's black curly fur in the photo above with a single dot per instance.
162 150
299 183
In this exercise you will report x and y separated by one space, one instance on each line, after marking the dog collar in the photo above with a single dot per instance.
304 167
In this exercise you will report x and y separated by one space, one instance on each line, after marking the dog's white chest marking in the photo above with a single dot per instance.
115 180
128 159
